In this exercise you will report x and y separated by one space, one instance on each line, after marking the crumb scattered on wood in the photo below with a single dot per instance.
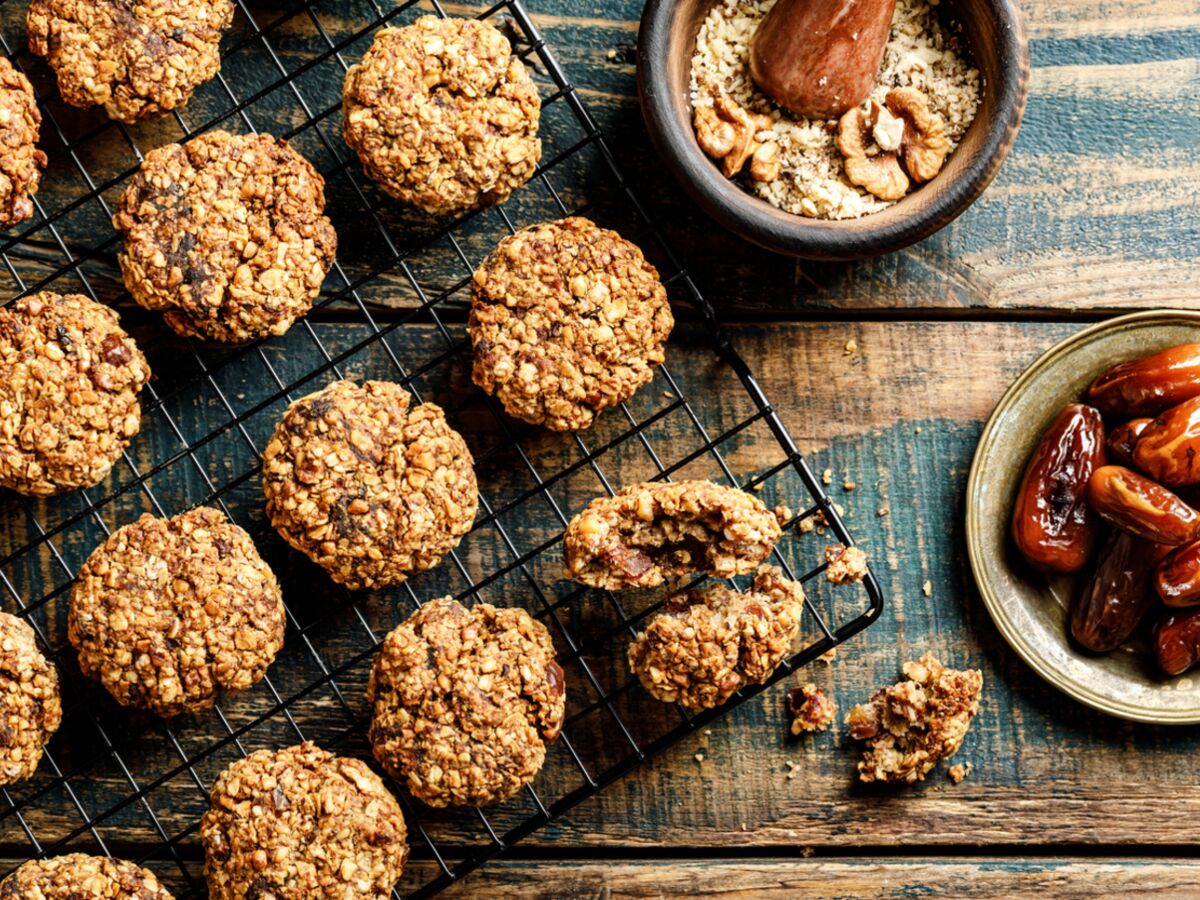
847 565
918 429
849 485
793 768
611 55
699 757
811 708
827 476
883 511
927 588
744 828
958 772
851 346
829 655
783 513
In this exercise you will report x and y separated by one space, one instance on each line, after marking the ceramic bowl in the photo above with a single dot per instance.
1030 609
993 36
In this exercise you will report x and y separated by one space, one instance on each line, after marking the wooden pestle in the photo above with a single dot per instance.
819 58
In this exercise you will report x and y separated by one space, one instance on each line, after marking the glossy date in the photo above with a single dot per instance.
1052 525
1177 641
1134 503
1166 449
1117 596
1177 578
1147 386
1123 439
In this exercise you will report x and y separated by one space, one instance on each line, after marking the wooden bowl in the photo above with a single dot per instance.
991 33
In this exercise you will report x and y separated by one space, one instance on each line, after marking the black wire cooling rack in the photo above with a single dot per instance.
118 782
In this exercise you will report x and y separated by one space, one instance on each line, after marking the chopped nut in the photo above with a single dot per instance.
925 145
727 132
847 565
811 709
868 165
765 165
958 772
783 514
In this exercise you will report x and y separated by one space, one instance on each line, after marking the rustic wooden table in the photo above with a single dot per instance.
1097 211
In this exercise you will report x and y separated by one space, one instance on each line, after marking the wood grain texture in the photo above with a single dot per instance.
850 879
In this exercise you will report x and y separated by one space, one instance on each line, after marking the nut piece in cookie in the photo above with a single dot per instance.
707 644
567 319
21 162
169 614
847 565
78 876
302 823
911 725
464 702
368 486
136 58
69 383
647 533
30 705
443 115
811 709
226 236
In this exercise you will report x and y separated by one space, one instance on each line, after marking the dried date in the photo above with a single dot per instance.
1166 450
1134 503
1052 524
1177 641
1123 439
1147 386
1177 578
1117 596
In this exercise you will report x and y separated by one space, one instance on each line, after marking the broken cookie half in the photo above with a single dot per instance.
912 725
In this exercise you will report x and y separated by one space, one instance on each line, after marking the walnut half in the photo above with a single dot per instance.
867 164
727 132
924 145
884 147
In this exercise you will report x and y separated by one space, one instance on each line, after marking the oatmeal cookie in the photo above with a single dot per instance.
567 319
443 115
30 705
226 236
169 614
78 876
367 486
69 382
302 824
21 162
707 644
912 725
136 58
650 532
465 701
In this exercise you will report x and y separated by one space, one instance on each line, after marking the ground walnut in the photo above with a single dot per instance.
729 133
884 146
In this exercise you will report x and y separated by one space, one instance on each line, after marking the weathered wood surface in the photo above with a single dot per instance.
1096 210
849 879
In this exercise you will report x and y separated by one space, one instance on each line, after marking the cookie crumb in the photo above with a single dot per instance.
793 768
699 757
883 511
927 588
811 709
807 525
958 772
848 485
744 828
827 476
783 514
847 565
829 655
851 347
610 55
